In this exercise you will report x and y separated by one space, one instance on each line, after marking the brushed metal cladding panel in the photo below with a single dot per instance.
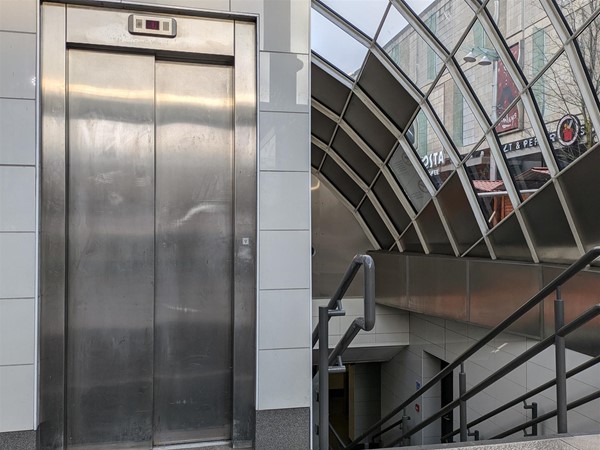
508 241
433 231
497 289
342 181
410 240
394 209
316 156
364 166
334 250
376 224
391 286
438 286
480 250
110 308
52 238
458 213
552 236
580 184
328 90
321 126
579 294
110 27
194 233
387 92
368 127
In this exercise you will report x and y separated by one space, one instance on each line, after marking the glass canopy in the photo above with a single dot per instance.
444 123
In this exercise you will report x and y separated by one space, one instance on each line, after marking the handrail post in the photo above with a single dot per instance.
561 369
323 378
462 389
404 427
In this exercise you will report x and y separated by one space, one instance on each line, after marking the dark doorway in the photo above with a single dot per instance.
447 395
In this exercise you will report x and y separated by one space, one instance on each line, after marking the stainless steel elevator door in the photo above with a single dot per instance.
194 251
110 262
149 269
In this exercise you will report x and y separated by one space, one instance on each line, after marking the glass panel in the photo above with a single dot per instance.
455 114
407 49
484 70
409 179
521 148
589 45
447 20
354 12
429 149
526 21
336 46
564 114
489 187
576 12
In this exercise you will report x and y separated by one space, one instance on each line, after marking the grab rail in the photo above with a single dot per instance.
321 334
557 338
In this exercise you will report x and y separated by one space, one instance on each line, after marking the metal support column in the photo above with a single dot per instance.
561 370
462 389
323 378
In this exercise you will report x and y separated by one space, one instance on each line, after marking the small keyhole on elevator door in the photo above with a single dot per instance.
245 241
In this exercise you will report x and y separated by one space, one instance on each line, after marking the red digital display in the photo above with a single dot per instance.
152 25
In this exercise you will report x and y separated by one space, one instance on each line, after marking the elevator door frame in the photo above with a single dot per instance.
216 40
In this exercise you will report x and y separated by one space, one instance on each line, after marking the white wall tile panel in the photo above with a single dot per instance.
284 200
284 82
16 398
17 131
284 24
284 260
17 265
18 15
284 141
17 198
17 71
284 319
281 383
16 331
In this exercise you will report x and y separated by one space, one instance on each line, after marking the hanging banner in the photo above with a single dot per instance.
506 92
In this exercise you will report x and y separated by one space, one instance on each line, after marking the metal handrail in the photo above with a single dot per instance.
523 357
555 284
321 334
369 291
586 365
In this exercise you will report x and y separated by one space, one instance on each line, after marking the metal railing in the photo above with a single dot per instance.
557 339
321 335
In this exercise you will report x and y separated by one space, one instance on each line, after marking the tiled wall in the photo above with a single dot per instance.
432 338
284 303
18 23
391 324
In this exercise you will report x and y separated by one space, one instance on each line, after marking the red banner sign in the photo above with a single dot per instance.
506 92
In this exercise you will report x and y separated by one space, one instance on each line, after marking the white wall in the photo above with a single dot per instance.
446 340
284 301
17 213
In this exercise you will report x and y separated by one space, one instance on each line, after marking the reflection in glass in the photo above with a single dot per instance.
429 149
408 50
409 179
482 168
576 12
354 12
447 20
564 113
336 46
525 22
455 114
